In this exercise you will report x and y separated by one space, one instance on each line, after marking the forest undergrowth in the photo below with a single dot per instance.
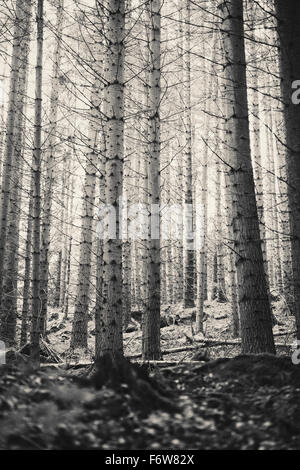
246 402
177 333
238 402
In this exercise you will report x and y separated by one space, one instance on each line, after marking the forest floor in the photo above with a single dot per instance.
238 402
177 335
247 402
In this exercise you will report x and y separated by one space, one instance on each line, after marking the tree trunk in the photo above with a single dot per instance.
58 280
10 278
14 119
110 331
66 226
27 273
36 300
220 275
188 222
253 79
151 323
254 307
50 165
80 321
288 15
66 306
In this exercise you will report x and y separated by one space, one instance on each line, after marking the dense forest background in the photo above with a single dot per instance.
150 202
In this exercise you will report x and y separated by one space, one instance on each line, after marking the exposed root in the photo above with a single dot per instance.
121 375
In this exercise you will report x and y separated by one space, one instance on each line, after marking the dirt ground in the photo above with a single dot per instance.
217 327
248 402
226 401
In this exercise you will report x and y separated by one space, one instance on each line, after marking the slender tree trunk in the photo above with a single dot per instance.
253 80
151 323
254 307
10 278
188 223
202 187
126 282
14 117
169 239
142 245
27 272
284 212
36 300
66 307
99 247
179 143
202 232
274 225
66 227
58 280
110 331
80 321
50 165
68 261
220 275
233 296
99 291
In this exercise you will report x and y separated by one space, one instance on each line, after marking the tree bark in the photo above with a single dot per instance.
254 307
36 301
14 120
151 323
188 222
110 324
288 16
10 279
50 166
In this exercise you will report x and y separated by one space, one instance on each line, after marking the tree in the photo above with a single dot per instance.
253 79
110 325
79 325
14 123
27 269
188 223
254 307
36 300
220 274
288 17
11 252
50 164
151 323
